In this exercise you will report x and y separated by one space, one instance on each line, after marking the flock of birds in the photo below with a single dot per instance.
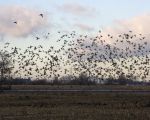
127 54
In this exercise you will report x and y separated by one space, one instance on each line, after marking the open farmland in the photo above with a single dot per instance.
79 87
74 60
74 106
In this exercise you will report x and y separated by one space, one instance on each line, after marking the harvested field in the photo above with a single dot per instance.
74 106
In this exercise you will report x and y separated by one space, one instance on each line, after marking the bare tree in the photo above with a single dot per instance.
5 65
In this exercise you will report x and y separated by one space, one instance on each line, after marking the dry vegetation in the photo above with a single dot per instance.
74 106
79 87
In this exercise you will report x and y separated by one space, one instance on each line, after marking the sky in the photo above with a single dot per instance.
83 16
86 16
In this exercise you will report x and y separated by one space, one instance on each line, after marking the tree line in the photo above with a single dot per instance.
79 60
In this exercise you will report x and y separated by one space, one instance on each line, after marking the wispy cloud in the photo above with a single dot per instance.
28 20
138 25
77 9
84 27
138 30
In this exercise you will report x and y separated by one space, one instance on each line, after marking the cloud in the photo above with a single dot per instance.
138 25
84 27
28 21
77 9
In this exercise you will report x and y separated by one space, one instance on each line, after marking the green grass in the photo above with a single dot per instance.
74 106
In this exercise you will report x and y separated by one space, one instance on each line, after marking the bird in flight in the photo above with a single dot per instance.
15 22
41 15
37 38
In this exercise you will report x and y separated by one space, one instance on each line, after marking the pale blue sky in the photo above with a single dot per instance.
103 13
107 10
83 16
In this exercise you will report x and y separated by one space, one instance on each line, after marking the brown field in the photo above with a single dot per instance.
79 87
74 106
